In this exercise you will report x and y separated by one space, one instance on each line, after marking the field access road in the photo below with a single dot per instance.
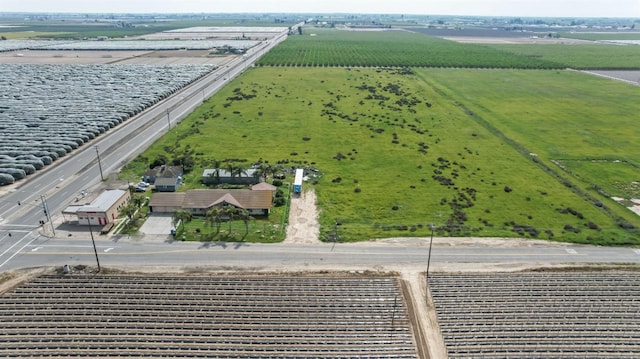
61 182
159 254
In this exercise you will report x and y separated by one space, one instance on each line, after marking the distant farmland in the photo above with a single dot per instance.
329 47
589 56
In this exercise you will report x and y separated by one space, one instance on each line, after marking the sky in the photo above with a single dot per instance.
522 8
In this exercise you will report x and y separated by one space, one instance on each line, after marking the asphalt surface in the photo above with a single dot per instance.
162 251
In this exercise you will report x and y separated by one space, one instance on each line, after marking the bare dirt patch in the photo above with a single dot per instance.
515 40
303 219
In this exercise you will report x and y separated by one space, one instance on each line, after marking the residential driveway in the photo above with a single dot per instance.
157 223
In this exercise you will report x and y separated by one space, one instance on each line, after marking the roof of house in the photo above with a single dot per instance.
104 201
263 186
206 198
167 199
227 198
166 181
164 171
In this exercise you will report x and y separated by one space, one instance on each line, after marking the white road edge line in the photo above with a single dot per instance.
16 253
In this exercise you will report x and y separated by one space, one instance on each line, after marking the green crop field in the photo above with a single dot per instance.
588 56
398 151
330 47
578 124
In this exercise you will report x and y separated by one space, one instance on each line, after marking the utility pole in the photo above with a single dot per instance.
99 163
45 208
168 119
94 243
429 257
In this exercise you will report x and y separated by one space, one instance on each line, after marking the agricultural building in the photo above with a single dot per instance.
215 176
102 210
199 201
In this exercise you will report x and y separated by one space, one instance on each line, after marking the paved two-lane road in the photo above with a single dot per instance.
357 256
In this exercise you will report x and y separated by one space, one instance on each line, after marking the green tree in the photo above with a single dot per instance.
229 211
244 215
230 167
239 170
263 170
181 216
214 217
137 201
129 210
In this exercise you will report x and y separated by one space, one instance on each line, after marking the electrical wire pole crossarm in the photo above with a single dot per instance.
45 208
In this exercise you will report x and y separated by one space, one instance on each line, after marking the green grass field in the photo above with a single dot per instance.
399 151
331 47
588 56
597 36
613 178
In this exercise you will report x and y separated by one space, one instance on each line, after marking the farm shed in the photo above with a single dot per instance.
104 209
199 201
219 175
152 174
168 184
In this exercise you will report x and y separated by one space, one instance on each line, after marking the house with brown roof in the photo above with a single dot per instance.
199 201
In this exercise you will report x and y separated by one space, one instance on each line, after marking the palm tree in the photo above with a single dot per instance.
137 201
230 210
264 169
244 215
216 167
238 170
230 168
181 216
213 216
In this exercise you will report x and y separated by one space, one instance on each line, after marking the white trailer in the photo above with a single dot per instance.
297 182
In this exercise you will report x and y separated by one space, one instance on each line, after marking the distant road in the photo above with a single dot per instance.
66 178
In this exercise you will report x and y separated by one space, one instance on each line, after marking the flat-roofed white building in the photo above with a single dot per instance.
102 210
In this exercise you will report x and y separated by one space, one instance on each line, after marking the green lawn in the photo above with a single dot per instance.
599 36
398 151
